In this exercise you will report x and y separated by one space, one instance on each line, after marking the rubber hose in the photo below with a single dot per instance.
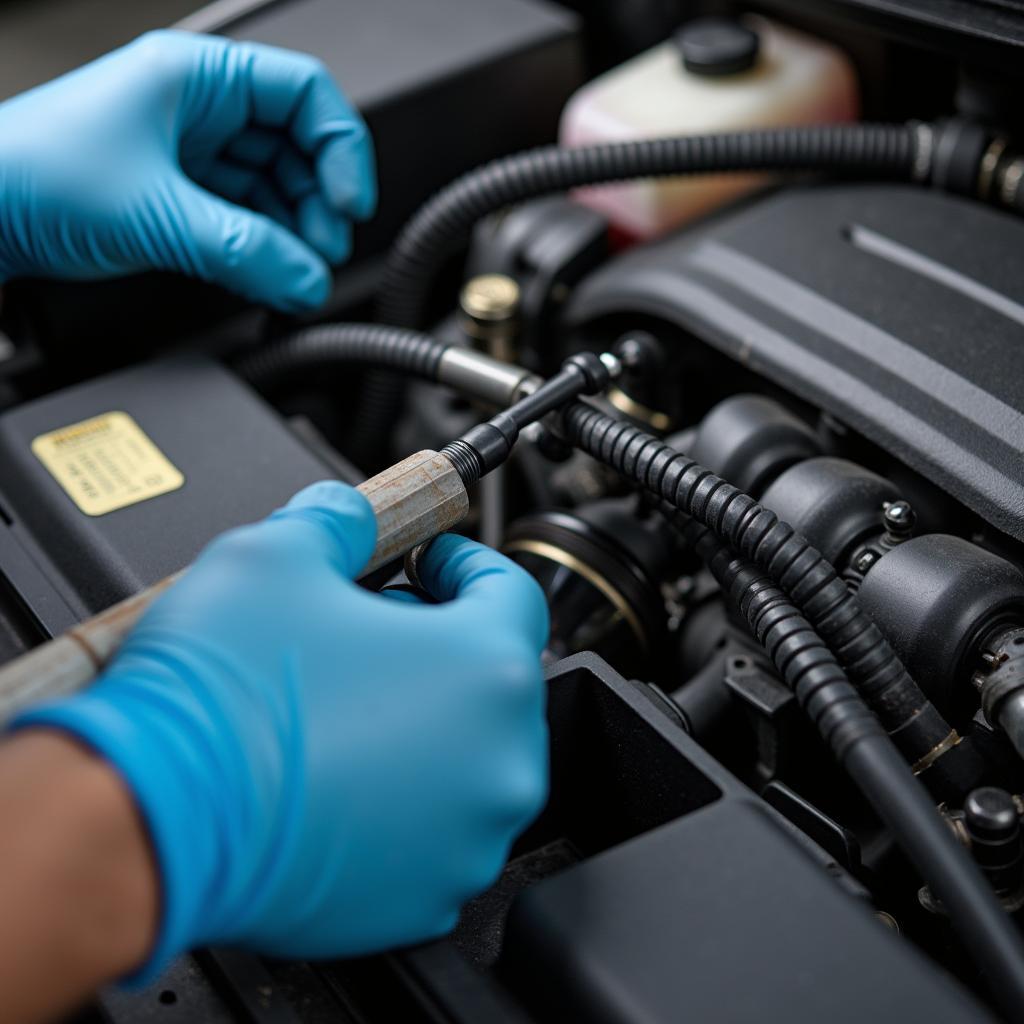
872 761
880 151
315 347
810 581
378 407
445 221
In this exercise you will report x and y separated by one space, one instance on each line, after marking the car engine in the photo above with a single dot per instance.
781 538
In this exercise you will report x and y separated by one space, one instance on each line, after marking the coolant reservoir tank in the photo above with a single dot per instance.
714 75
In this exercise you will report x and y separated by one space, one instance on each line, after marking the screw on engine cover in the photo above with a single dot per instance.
899 520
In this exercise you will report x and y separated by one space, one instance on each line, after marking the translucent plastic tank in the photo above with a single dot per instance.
714 75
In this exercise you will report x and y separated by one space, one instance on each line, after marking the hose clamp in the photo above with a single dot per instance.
940 748
989 163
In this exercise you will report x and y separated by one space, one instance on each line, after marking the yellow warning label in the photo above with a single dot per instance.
106 463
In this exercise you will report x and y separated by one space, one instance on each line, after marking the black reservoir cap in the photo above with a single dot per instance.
717 46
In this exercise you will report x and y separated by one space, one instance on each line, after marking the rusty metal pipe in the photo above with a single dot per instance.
414 501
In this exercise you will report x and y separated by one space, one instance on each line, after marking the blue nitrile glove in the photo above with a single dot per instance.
233 162
324 771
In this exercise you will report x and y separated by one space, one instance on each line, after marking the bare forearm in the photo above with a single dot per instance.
78 888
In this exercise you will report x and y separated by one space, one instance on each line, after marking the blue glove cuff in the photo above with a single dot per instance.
184 844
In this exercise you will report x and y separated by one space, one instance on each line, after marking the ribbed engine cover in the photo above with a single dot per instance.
898 310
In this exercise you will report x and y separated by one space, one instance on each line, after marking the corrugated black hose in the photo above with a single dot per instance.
443 223
871 759
922 734
806 664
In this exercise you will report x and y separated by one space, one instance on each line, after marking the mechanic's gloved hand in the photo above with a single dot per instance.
324 771
233 162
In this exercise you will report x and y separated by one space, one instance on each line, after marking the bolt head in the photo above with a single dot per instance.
899 515
490 297
866 560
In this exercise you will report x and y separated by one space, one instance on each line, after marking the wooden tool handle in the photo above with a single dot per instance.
414 500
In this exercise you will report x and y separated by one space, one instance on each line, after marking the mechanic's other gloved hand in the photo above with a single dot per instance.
324 771
233 162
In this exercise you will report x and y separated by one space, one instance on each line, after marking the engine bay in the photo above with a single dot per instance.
778 519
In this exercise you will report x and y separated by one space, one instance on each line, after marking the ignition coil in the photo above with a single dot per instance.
750 440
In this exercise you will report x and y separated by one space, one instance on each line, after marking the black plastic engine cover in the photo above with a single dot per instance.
898 310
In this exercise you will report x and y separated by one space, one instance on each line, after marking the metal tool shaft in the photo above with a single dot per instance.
414 501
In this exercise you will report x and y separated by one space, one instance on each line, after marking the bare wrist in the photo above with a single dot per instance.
79 885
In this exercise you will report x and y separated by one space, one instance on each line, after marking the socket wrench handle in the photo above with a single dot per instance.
414 501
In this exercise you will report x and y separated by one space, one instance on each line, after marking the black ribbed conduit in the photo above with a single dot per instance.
808 667
443 222
873 763
812 584
411 352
